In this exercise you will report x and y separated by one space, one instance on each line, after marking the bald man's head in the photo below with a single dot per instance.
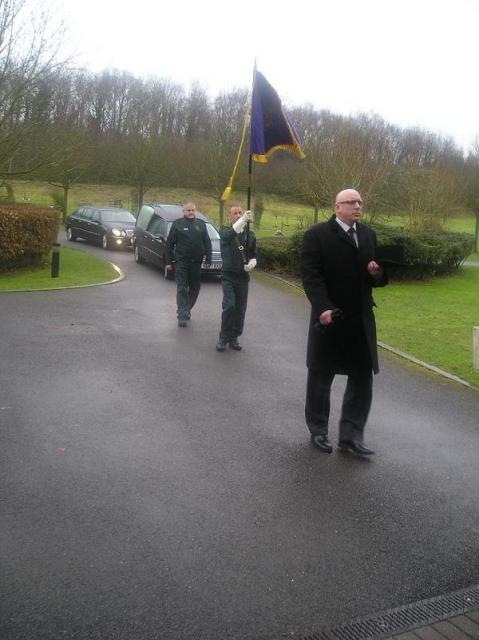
348 206
189 210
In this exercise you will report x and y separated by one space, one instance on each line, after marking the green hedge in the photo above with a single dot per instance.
427 254
26 234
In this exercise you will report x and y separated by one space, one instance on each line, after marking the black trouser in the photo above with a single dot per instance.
188 282
356 403
235 298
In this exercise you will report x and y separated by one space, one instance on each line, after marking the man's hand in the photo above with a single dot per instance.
240 224
326 317
251 265
374 269
169 267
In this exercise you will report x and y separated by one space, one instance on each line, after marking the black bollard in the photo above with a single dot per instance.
55 259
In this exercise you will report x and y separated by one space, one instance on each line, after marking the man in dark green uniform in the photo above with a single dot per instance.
188 243
238 260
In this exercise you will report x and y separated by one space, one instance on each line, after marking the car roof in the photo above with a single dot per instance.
171 212
92 206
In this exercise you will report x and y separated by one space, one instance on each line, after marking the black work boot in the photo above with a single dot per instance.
221 345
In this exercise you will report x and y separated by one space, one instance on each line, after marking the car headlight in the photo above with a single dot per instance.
116 232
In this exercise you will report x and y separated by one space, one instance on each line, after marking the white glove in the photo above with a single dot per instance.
240 224
251 265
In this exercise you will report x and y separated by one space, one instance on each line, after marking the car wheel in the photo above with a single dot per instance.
169 275
70 235
136 253
104 241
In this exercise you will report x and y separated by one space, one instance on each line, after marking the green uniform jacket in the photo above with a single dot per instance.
231 254
188 240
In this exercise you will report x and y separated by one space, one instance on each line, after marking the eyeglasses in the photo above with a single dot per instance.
351 202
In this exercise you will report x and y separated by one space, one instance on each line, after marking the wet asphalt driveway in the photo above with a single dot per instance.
152 488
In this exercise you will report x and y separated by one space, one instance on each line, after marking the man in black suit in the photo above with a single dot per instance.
338 270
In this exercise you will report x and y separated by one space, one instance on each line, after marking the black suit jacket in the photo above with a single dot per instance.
334 274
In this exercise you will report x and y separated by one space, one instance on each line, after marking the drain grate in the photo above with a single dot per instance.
403 618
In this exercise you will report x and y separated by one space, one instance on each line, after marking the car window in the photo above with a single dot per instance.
144 217
155 226
163 227
212 232
95 216
118 216
87 213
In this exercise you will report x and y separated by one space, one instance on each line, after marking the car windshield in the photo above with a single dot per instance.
117 216
212 232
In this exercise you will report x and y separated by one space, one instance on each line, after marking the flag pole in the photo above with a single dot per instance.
250 171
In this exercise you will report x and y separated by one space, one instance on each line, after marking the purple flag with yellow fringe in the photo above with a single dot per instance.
270 128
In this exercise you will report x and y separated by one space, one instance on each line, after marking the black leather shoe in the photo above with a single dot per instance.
321 442
355 447
221 346
234 344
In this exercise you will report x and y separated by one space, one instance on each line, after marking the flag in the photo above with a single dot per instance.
270 128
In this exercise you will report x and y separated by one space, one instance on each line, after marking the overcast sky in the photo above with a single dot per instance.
413 62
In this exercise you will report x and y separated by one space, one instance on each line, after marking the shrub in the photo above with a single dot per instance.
429 253
273 254
426 254
26 234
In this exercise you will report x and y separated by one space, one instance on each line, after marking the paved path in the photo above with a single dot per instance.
153 488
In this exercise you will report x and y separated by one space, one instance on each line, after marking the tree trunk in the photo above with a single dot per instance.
222 212
10 192
66 189
316 211
141 195
476 234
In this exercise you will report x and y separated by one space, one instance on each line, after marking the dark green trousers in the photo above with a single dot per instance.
188 283
235 298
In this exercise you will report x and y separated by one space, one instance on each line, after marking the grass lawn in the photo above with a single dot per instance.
430 320
433 320
76 268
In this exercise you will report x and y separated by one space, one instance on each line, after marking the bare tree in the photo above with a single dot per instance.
215 156
345 152
472 188
28 57
143 163
165 108
427 195
70 154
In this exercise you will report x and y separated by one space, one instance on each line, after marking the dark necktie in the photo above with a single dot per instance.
352 234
